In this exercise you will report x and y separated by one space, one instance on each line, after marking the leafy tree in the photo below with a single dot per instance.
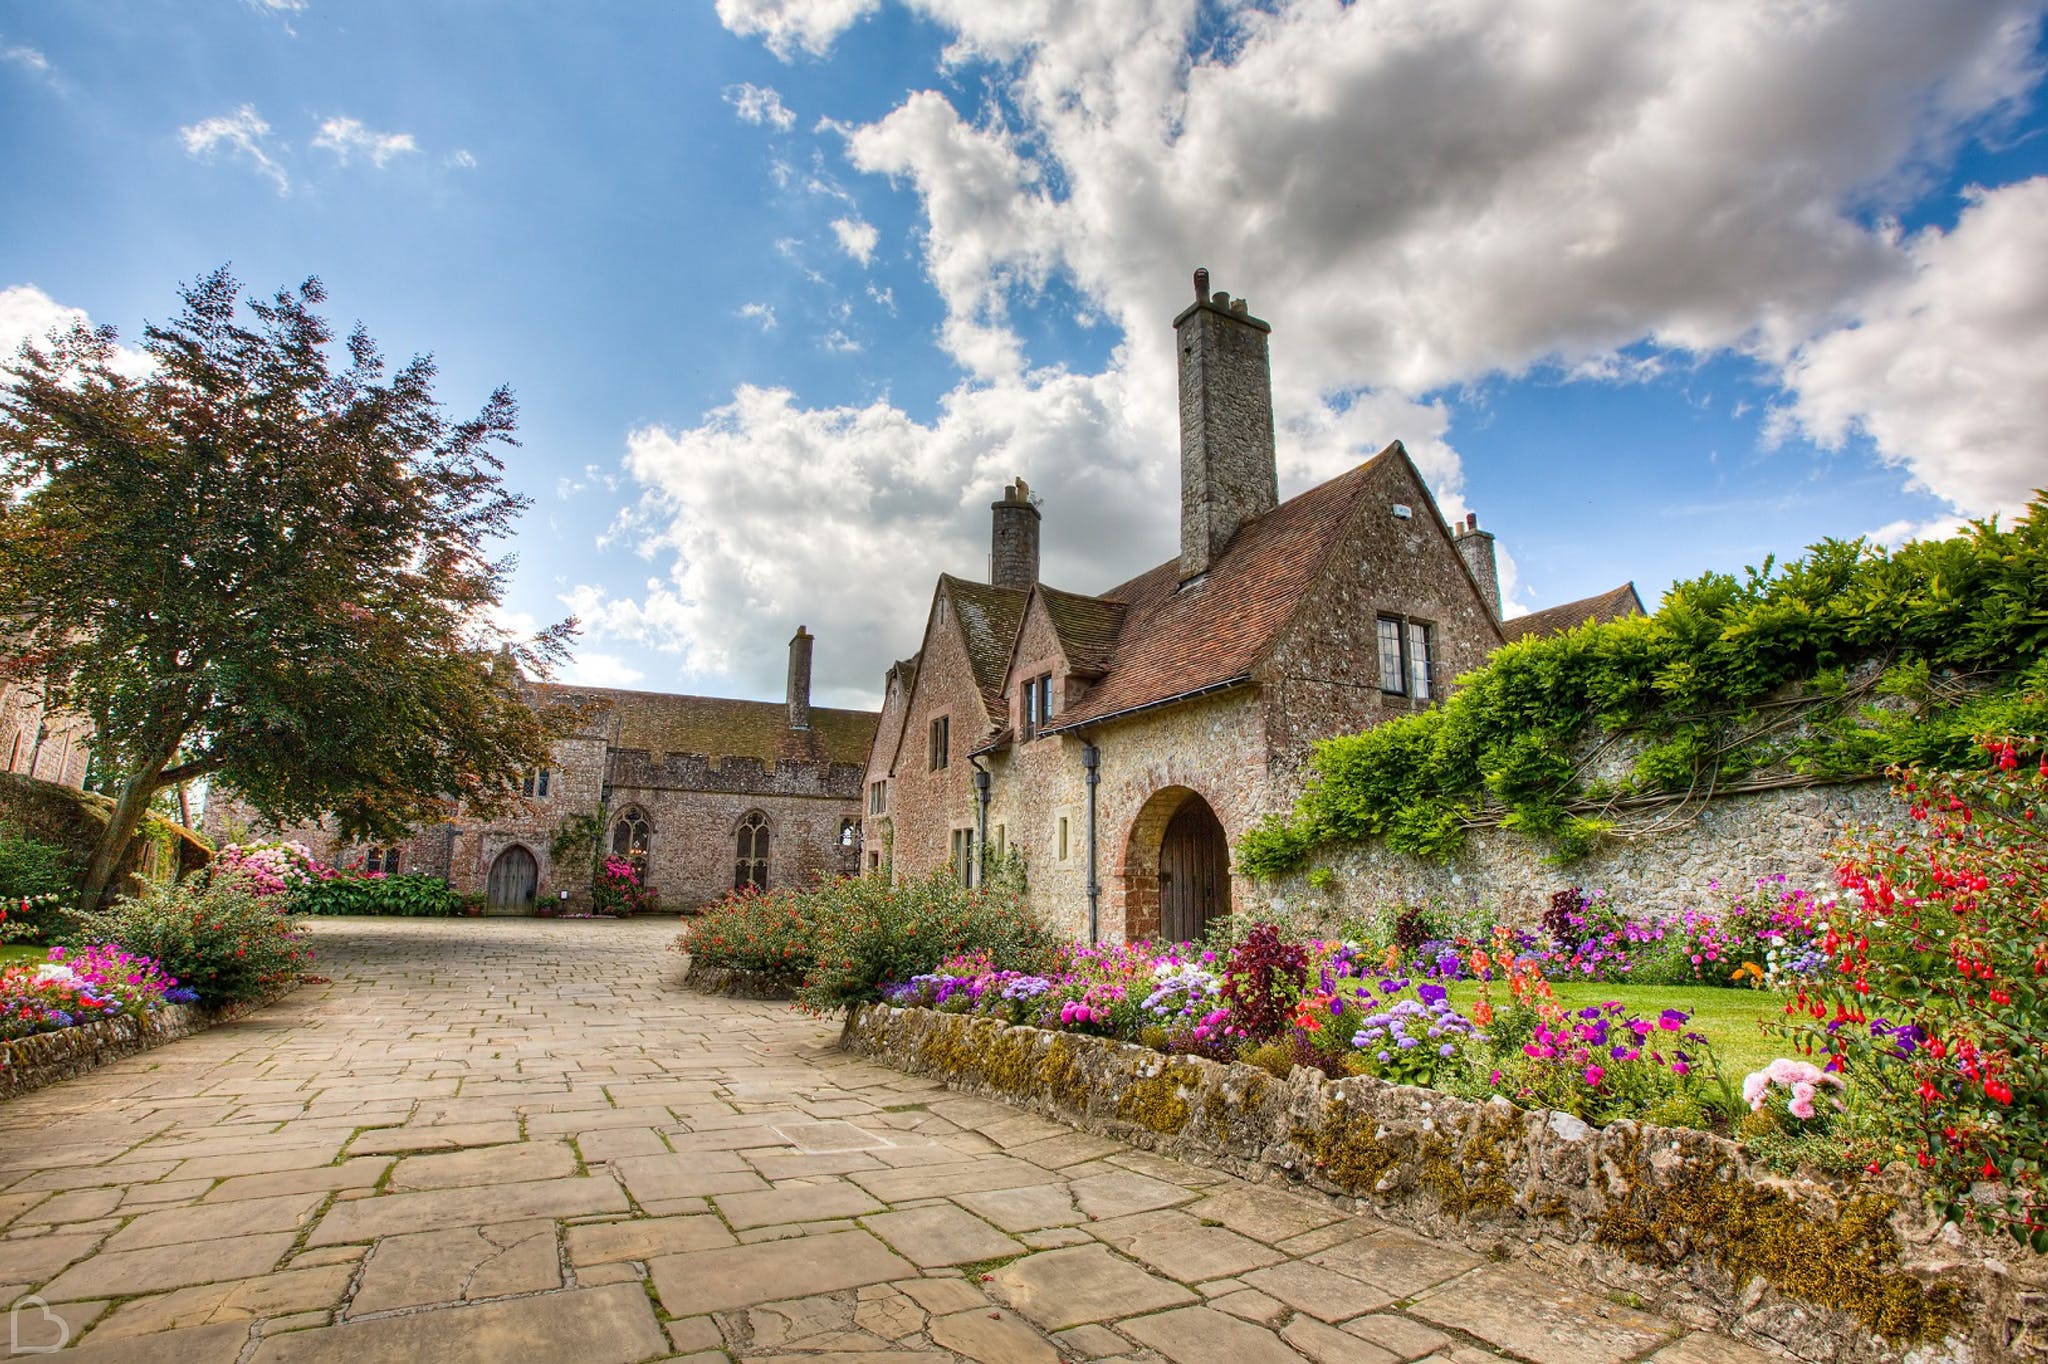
261 565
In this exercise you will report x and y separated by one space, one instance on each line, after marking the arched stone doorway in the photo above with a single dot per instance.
514 878
1176 870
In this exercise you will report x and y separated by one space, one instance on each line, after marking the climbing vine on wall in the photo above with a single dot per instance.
1828 668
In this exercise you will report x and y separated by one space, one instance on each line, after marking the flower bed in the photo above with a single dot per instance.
28 1063
1681 1218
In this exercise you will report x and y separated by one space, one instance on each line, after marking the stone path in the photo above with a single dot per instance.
507 1139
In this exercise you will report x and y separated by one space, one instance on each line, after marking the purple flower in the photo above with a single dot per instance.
1432 994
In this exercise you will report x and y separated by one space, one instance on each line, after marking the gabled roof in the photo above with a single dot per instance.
989 618
1551 620
721 726
1086 628
1178 640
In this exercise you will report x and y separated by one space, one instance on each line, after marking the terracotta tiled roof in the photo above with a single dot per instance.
719 726
1175 641
1085 626
989 617
1613 605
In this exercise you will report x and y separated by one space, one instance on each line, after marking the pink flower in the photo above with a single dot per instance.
1753 1086
1594 1075
1801 1106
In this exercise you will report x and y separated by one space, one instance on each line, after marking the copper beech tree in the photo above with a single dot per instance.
266 562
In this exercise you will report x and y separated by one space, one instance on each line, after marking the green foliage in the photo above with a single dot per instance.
869 933
1831 667
410 894
265 564
36 881
214 934
750 932
1938 1000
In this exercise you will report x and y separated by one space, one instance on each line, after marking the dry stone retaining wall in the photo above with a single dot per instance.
1677 1217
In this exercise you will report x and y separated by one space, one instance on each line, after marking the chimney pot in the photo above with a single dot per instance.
1013 539
1202 284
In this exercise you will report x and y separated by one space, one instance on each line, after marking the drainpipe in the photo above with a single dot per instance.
1091 759
981 785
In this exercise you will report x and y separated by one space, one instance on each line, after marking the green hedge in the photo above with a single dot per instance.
1832 667
408 893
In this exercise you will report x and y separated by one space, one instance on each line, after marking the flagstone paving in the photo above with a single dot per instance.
519 1139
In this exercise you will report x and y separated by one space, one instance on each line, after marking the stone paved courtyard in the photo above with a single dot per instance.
518 1139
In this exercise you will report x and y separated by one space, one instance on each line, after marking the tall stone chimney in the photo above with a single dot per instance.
1013 540
800 679
1475 547
1227 471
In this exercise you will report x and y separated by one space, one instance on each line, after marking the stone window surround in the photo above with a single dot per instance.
1406 624
939 741
1039 689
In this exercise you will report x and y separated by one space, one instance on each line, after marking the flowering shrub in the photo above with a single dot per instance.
271 868
29 918
95 982
36 881
218 936
619 888
1939 994
751 931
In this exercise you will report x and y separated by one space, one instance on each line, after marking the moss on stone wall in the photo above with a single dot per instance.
1160 1102
1751 1231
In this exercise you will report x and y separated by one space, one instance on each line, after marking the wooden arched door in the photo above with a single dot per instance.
515 876
1194 872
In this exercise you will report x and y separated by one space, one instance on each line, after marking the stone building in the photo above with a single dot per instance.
1121 742
36 742
708 794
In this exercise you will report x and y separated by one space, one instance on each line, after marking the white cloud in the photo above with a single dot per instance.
29 314
245 134
347 137
462 159
760 104
1417 195
787 27
25 57
1942 368
759 312
839 343
600 670
856 238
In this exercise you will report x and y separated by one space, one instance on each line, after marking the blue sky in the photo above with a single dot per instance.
788 289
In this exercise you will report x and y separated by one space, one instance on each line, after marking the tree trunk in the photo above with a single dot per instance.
102 873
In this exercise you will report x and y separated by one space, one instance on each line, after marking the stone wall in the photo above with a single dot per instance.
1679 1218
29 1063
1729 841
36 742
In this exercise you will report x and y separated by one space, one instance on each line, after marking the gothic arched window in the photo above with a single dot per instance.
750 869
630 836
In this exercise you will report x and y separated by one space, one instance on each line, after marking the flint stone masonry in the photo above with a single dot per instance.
1727 842
1680 1219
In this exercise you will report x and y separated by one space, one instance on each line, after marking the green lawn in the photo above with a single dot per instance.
13 955
1729 1018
